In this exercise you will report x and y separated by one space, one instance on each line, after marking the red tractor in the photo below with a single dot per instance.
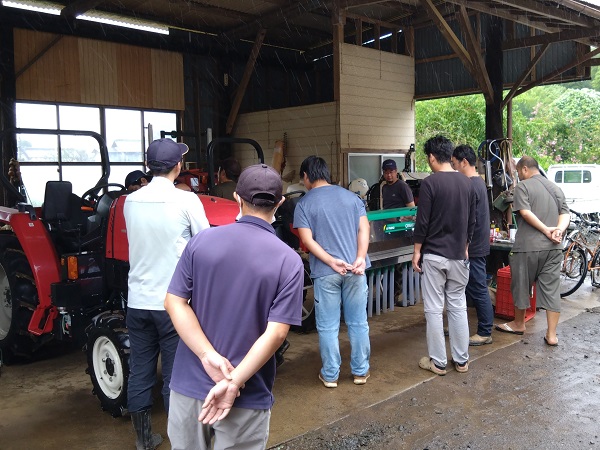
64 268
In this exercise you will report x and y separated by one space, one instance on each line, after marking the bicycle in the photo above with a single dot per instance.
584 240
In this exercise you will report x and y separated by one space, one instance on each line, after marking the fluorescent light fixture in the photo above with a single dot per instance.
121 21
43 7
385 36
92 15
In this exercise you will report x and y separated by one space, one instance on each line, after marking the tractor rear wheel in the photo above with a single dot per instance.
107 351
18 300
308 303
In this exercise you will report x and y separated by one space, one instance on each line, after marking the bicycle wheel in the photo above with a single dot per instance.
573 270
595 269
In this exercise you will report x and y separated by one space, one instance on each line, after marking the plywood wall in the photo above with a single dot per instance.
310 130
376 99
68 69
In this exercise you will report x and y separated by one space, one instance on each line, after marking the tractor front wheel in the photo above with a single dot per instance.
108 364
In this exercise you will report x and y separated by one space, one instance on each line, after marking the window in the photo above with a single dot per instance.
558 177
587 176
572 176
368 165
46 156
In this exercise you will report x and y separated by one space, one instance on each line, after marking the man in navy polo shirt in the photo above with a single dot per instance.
244 287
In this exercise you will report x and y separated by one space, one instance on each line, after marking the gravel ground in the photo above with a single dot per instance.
525 396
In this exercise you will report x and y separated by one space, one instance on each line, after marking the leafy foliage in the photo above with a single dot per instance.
555 123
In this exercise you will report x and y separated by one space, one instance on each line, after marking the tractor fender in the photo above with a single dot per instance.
219 211
43 260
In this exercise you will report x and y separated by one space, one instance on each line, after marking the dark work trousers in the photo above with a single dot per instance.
477 292
150 332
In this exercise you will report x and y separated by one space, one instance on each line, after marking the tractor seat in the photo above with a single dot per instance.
61 212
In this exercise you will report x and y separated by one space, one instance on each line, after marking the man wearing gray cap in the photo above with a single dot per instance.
160 220
234 294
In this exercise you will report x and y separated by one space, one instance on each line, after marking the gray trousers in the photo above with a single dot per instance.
242 429
443 284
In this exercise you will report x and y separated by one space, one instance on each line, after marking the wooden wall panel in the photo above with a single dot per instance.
98 72
376 99
52 76
86 71
310 131
167 80
134 75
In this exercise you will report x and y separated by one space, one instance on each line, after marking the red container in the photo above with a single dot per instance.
505 307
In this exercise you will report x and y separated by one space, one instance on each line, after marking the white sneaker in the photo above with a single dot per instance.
477 340
328 384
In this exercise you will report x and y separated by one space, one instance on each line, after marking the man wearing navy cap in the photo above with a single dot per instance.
136 180
395 192
234 294
160 220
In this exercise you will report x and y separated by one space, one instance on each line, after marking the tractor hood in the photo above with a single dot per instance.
219 211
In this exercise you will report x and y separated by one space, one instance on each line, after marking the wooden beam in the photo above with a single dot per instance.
78 7
592 62
409 41
577 61
549 38
390 25
241 90
524 75
38 56
518 18
552 12
273 18
523 19
480 71
447 32
359 32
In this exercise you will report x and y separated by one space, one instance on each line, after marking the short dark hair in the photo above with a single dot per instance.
232 168
529 162
315 169
440 147
160 171
465 151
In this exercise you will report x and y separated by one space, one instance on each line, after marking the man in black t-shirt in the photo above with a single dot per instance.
395 192
463 160
443 231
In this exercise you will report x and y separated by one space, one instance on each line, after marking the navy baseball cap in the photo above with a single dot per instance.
260 185
389 164
135 176
164 154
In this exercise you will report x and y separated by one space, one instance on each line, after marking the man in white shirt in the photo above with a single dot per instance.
160 221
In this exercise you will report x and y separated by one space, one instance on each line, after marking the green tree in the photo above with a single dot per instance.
555 123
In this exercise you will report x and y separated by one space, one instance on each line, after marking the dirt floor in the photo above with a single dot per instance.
519 393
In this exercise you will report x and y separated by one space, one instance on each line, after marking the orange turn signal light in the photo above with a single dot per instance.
72 268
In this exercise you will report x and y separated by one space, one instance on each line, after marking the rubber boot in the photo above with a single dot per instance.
142 423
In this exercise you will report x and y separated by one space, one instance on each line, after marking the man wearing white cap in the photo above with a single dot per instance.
160 221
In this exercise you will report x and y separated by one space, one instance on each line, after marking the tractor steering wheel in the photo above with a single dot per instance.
294 193
91 196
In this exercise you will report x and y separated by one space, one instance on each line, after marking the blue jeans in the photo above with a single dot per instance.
477 291
349 293
150 332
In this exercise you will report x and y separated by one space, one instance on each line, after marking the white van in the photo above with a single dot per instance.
580 184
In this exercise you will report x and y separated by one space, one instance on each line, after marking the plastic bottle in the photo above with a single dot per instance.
492 231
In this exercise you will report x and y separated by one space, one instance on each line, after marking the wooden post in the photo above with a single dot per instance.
241 90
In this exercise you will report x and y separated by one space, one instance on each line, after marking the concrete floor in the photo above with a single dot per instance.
48 404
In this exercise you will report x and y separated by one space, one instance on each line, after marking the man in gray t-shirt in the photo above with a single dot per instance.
332 223
543 217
